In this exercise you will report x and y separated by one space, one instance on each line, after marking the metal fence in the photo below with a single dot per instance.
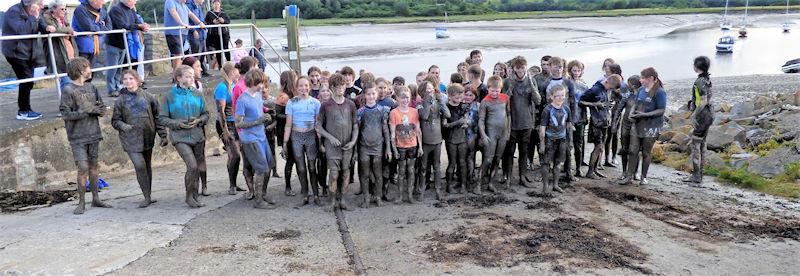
57 75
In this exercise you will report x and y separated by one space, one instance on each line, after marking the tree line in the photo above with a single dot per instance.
320 9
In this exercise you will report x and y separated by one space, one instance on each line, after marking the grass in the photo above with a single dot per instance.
277 22
783 185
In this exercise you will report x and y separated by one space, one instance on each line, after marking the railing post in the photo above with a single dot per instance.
180 37
53 63
127 50
222 47
155 17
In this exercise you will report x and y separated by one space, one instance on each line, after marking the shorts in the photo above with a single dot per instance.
406 153
304 145
256 156
597 135
336 164
174 44
555 151
86 152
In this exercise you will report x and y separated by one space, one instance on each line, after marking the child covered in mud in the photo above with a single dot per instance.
494 125
432 111
183 110
596 99
250 119
136 118
553 127
302 113
472 136
373 146
406 146
524 97
702 117
81 106
651 102
336 123
628 102
455 134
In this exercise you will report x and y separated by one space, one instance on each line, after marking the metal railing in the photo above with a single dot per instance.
56 75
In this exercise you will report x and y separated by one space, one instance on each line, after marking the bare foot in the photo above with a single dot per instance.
204 192
145 203
100 204
192 203
80 209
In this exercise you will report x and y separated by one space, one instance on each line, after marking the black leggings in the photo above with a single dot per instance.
304 147
645 147
431 154
519 139
457 156
144 170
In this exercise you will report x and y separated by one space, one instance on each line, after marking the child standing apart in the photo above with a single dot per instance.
702 117
81 106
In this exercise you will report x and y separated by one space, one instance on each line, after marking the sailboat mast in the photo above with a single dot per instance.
726 8
746 5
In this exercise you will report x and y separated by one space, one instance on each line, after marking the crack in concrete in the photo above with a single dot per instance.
349 245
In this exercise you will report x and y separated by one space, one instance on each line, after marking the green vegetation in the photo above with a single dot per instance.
335 12
782 185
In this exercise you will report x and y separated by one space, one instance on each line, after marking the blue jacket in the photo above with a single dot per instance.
17 22
198 11
84 21
121 17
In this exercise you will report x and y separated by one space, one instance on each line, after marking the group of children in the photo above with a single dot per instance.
328 124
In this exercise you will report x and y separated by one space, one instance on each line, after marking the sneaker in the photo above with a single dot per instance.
28 115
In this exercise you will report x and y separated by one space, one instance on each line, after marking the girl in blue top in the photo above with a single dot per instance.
183 111
648 118
225 120
301 115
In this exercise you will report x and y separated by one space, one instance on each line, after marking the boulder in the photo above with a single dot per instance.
755 137
734 148
741 110
722 136
667 135
761 102
724 107
741 159
714 159
680 119
774 163
681 141
788 123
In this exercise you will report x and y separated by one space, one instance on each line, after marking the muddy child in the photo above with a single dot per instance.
455 134
288 82
557 77
81 106
612 136
494 126
183 111
628 101
223 95
472 135
302 113
553 128
648 117
136 118
351 90
432 111
406 146
702 116
596 99
250 119
336 123
524 97
373 146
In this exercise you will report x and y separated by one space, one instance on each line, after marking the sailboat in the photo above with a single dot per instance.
743 29
786 26
441 32
725 25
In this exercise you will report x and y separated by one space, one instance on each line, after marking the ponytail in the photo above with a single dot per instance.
651 72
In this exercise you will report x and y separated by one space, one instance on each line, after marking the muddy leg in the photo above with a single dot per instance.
201 171
402 187
377 172
410 178
83 176
191 176
436 154
345 174
364 168
234 158
333 178
142 176
258 182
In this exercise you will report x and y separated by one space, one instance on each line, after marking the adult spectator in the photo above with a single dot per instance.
197 37
23 19
63 47
214 42
90 16
123 16
176 14
260 54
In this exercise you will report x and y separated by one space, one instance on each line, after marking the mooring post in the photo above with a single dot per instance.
292 16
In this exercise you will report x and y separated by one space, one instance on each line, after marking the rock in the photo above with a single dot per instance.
687 129
681 141
788 123
724 107
720 118
741 110
722 136
774 163
714 159
761 102
667 135
755 137
734 148
658 153
741 160
680 119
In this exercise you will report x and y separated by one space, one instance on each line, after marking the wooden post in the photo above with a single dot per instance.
292 16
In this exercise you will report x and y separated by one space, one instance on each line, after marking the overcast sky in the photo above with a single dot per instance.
5 4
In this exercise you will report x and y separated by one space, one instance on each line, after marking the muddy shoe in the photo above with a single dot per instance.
378 202
305 201
558 189
80 209
592 175
578 173
204 192
192 203
343 205
609 164
491 188
267 199
100 204
364 203
644 181
249 195
232 191
240 189
289 192
146 203
439 194
625 181
600 175
262 205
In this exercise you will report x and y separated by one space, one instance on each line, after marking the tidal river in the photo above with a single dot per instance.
666 42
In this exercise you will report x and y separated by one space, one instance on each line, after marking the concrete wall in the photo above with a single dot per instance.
40 158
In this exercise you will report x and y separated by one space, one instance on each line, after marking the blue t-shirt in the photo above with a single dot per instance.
251 107
221 93
596 94
650 127
303 112
183 13
197 11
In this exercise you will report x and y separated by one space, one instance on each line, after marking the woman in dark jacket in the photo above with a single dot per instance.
136 119
217 16
63 47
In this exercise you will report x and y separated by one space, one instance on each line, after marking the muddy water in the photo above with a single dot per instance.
667 43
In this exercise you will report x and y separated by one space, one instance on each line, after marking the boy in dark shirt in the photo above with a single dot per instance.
336 123
596 99
553 126
80 108
524 97
373 145
455 134
474 74
351 90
